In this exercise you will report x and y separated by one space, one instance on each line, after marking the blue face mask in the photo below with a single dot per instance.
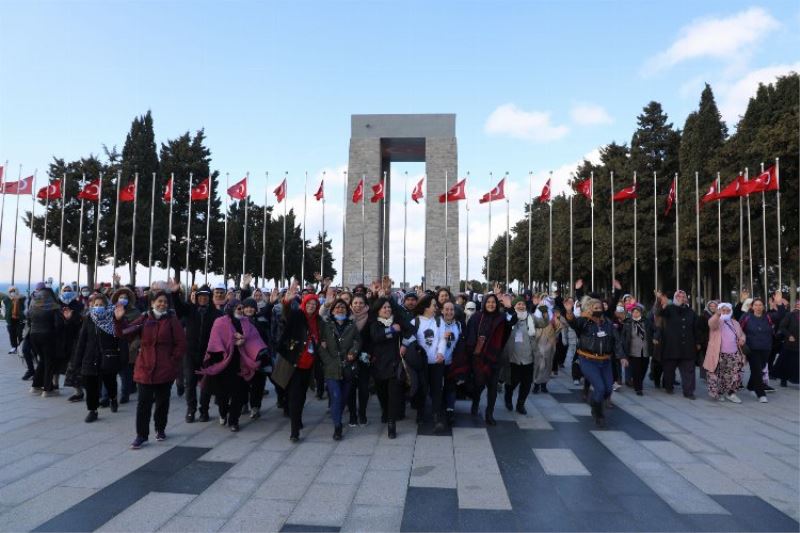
98 310
67 297
123 302
340 318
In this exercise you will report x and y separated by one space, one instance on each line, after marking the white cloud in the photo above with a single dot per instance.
735 96
535 126
726 38
590 115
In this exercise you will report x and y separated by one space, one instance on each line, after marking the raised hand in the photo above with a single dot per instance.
506 300
617 285
174 285
579 283
274 295
744 295
67 313
119 312
317 276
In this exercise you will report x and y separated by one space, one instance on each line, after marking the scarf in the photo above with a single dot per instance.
360 318
44 300
638 329
104 320
386 321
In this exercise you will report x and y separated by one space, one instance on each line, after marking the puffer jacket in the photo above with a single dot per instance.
163 344
336 346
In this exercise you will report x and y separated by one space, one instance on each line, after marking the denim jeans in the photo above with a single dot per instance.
338 391
600 375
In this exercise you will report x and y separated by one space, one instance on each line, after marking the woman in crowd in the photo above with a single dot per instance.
428 335
757 328
519 350
71 307
339 352
231 361
597 341
454 342
162 346
487 331
386 336
299 345
788 363
14 306
126 297
359 388
724 360
637 338
544 349
259 318
97 355
46 322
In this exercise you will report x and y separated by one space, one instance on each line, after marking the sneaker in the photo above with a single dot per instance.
160 435
616 386
50 393
75 398
763 399
732 398
223 420
138 442
12 350
190 418
544 388
255 413
91 417
35 390
234 428
721 398
576 382
353 422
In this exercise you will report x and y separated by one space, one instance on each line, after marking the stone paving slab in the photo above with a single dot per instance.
560 462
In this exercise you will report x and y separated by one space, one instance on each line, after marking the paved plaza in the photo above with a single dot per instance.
663 464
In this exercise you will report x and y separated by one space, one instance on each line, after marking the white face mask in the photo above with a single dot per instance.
522 315
238 316
726 317
157 313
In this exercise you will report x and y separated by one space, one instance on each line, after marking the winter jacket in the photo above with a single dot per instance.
336 345
44 314
679 338
8 306
521 342
71 330
385 349
597 338
93 344
163 344
790 327
199 321
627 336
758 330
715 326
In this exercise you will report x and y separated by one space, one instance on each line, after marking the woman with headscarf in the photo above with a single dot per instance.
487 331
519 350
231 360
637 338
126 297
544 348
14 306
359 389
163 344
97 355
259 318
72 311
299 346
758 329
339 352
724 359
787 366
46 322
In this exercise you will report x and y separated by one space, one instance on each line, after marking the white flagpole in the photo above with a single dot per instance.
44 240
363 229
508 238
16 224
446 202
150 245
80 232
264 232
116 222
30 244
3 205
591 183
778 205
169 225
383 228
489 243
225 237
303 253
344 220
466 206
550 262
208 218
405 223
133 229
764 237
741 245
677 238
655 232
719 239
635 239
613 265
61 230
571 270
697 235
283 247
749 233
530 215
244 241
99 214
189 236
322 240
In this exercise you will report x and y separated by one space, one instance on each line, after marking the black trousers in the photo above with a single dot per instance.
638 370
756 360
296 397
14 326
190 382
521 375
359 392
436 387
686 367
44 346
390 396
657 373
231 395
319 377
148 395
491 391
92 385
256 389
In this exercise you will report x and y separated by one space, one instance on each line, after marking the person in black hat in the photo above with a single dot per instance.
198 316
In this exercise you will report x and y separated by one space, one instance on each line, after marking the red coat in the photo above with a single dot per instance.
163 344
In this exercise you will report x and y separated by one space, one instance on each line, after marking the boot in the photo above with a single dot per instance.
536 388
489 418
392 430
544 388
337 432
597 413
204 415
475 404
190 417
438 426
114 405
451 417
508 398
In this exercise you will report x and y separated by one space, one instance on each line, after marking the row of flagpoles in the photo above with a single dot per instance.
741 187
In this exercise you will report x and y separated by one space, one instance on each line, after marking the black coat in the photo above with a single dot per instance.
385 349
679 335
93 343
294 334
198 327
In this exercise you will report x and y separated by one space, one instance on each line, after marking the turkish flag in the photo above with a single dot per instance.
766 181
585 188
320 194
417 194
238 191
2 170
545 196
457 192
91 191
735 189
670 197
358 193
128 193
53 190
498 193
201 192
377 192
626 194
711 195
168 191
23 186
280 191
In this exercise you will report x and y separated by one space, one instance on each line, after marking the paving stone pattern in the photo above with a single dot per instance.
663 464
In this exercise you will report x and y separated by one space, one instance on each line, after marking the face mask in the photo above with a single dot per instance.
340 318
157 313
67 297
727 317
522 315
85 292
597 314
12 293
123 302
261 304
238 316
321 300
98 310
636 318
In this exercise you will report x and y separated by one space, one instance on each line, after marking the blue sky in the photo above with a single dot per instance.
536 86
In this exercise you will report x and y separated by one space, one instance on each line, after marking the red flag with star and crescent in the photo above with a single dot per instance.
128 193
23 186
545 196
377 192
201 192
498 193
765 182
734 189
628 193
670 197
585 188
51 191
417 193
358 193
320 194
457 192
280 191
710 195
168 191
91 191
238 191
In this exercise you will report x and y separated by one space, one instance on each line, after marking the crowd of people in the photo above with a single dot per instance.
417 349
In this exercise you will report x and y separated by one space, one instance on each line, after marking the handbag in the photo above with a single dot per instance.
282 372
481 343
